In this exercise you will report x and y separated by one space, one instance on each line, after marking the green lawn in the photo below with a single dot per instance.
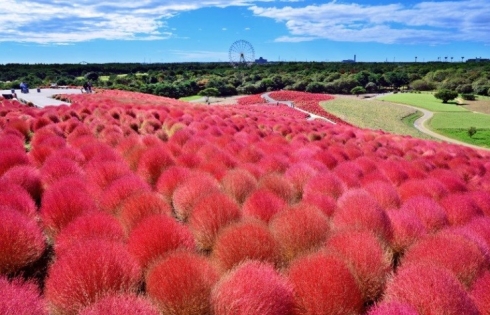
190 98
374 114
410 119
423 100
456 125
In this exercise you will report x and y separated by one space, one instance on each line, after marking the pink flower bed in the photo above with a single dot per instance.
309 102
250 206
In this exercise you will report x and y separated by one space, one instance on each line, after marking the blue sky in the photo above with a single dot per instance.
70 31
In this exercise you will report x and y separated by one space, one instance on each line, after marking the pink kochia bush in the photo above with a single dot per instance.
458 254
323 284
190 191
369 261
430 290
20 298
181 284
92 226
481 294
121 304
249 239
359 210
140 205
209 215
21 241
299 229
262 204
88 272
238 183
253 288
157 236
64 201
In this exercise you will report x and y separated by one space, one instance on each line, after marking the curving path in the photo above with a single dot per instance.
43 98
419 124
269 99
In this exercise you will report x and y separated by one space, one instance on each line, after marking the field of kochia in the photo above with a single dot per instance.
126 203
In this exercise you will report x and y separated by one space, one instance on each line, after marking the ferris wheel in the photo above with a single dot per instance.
241 53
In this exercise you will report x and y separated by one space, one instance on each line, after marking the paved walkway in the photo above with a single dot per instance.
43 98
290 104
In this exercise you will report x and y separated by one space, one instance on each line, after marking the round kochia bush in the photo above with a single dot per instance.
88 272
121 304
323 284
20 298
157 236
253 288
430 290
21 241
181 284
250 239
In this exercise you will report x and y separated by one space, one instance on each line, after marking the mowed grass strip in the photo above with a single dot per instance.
374 114
423 100
456 125
190 98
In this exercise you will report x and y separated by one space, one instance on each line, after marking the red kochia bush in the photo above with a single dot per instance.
64 201
430 213
92 226
250 239
407 229
325 183
391 308
384 193
139 206
458 254
55 168
323 284
481 294
169 179
460 208
358 210
209 215
11 158
117 191
299 229
263 205
21 241
238 184
155 237
153 162
430 289
190 191
88 272
28 177
129 304
298 174
482 199
253 288
428 187
364 253
278 185
20 298
181 284
15 197
104 173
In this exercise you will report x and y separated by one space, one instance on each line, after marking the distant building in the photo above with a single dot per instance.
350 60
478 60
261 61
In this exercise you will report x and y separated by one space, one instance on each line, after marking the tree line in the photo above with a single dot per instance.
185 79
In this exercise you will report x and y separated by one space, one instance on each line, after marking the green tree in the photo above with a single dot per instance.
471 131
209 92
446 95
358 90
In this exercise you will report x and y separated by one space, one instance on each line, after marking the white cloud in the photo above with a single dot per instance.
224 29
425 22
68 21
